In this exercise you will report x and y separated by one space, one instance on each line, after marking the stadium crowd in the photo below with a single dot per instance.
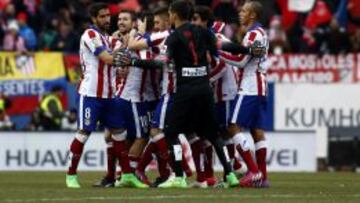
51 25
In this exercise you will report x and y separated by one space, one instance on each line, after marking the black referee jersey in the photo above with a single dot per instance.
193 108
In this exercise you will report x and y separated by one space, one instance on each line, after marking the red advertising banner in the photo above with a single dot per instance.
311 68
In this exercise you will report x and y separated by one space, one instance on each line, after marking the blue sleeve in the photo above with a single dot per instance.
148 39
98 50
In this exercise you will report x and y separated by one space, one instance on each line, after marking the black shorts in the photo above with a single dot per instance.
192 112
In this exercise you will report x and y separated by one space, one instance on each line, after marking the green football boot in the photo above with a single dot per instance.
130 180
72 181
174 182
232 180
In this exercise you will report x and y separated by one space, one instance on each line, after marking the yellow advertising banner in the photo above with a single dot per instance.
39 65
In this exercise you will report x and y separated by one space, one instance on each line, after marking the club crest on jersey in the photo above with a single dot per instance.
87 121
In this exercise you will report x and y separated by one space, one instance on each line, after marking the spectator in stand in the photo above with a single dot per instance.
27 32
12 40
47 36
7 15
35 122
5 122
335 39
354 13
69 122
226 11
65 14
66 39
51 109
355 41
3 4
277 37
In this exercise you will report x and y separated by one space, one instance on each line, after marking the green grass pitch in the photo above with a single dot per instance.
38 187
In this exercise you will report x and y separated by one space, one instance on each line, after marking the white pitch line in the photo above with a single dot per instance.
240 196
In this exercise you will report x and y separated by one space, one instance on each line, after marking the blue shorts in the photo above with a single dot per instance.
162 108
135 118
248 111
223 114
150 108
93 110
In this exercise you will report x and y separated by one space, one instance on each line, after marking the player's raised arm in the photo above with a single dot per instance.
137 42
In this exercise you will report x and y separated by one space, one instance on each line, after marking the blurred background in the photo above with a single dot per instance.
313 113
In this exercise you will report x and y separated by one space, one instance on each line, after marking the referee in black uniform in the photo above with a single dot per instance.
193 108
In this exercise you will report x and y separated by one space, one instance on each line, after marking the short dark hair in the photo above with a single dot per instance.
131 12
149 20
205 14
184 9
95 8
162 11
256 7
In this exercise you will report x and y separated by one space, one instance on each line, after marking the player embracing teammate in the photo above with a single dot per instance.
183 55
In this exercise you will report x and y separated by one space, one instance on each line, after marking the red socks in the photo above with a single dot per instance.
76 149
146 156
243 147
162 154
121 152
260 151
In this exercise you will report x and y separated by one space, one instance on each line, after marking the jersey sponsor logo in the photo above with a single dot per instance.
193 71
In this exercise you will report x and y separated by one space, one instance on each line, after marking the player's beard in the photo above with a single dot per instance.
124 30
105 27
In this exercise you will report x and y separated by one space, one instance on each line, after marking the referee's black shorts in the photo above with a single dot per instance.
192 111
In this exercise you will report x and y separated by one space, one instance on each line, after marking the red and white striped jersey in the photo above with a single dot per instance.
156 41
224 77
98 78
152 78
252 70
140 84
